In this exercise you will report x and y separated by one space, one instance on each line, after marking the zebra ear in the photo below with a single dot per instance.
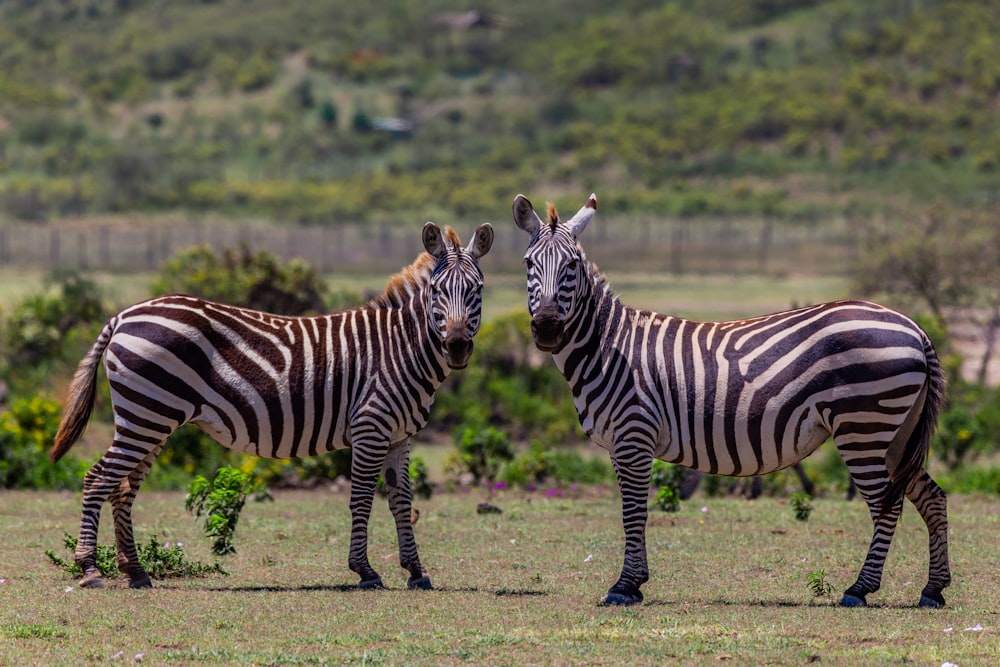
434 242
525 216
481 241
579 222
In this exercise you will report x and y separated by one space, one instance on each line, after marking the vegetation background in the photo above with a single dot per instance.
748 156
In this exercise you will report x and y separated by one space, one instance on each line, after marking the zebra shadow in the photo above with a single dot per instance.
351 588
737 603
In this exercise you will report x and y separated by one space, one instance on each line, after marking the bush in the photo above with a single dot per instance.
37 327
241 278
481 453
26 433
221 501
160 561
541 463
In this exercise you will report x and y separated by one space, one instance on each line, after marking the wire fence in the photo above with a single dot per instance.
679 246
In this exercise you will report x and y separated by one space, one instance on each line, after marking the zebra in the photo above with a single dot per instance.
740 398
281 387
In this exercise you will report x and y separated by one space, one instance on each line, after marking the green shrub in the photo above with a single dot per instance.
667 478
160 561
481 453
542 463
242 278
36 329
26 434
221 501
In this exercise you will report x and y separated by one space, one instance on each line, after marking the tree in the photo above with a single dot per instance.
949 261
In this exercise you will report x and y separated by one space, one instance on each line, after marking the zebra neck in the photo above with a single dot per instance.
413 334
580 360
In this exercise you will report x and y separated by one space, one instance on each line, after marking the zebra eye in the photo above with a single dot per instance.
572 265
529 264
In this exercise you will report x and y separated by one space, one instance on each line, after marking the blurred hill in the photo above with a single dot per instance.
336 111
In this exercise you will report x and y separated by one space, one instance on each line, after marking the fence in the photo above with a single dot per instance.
742 246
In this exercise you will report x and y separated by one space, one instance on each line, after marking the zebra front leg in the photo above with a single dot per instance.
366 461
932 503
396 473
633 465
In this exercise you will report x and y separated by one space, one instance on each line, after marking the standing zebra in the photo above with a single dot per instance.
740 398
281 387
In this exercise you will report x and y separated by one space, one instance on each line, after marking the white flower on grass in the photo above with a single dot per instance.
975 628
67 589
948 629
704 508
589 558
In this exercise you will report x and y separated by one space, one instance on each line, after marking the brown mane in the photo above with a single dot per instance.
550 208
402 286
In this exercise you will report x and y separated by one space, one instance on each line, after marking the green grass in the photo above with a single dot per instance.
727 584
713 297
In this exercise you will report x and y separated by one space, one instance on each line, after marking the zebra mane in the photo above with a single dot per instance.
402 286
553 214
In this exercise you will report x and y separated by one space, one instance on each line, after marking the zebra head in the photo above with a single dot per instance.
555 264
456 289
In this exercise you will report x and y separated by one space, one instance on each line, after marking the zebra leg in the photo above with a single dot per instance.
98 484
366 461
121 503
870 578
396 473
633 465
932 503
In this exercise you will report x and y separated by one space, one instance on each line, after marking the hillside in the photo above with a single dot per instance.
333 112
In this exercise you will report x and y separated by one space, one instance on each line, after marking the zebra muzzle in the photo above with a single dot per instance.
457 348
547 330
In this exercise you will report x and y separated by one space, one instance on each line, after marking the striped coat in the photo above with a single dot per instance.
740 398
281 387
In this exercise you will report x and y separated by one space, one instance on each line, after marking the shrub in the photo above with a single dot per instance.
160 561
481 453
26 433
221 501
667 478
541 463
241 278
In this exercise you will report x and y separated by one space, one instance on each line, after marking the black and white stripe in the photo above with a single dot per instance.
281 387
740 398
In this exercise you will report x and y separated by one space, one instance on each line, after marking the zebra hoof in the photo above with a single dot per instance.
371 584
93 580
621 598
850 600
419 583
931 600
141 582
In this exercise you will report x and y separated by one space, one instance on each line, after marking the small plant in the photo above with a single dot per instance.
668 478
481 452
221 501
667 500
420 480
818 585
161 561
802 506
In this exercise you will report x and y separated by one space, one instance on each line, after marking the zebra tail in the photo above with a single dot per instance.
914 456
82 392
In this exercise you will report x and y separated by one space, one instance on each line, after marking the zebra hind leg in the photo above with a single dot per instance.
100 482
932 503
121 503
870 577
396 473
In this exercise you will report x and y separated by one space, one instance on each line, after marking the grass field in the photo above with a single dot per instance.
729 584
712 297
